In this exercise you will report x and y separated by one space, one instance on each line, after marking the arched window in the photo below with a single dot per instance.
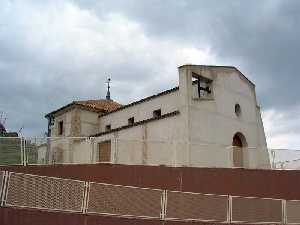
239 140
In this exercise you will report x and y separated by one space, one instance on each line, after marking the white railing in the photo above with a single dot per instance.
285 159
56 194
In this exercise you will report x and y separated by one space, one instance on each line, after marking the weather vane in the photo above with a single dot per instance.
108 89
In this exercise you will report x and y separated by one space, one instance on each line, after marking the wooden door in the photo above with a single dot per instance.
238 157
104 149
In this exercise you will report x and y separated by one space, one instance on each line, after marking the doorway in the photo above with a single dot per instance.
104 150
238 143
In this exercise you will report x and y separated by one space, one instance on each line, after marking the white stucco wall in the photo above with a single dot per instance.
167 103
148 144
200 136
212 123
89 123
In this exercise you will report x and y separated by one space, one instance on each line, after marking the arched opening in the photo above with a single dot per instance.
238 142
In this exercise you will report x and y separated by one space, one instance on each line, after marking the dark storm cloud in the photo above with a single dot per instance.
53 52
261 37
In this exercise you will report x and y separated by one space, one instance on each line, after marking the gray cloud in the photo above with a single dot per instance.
261 37
52 52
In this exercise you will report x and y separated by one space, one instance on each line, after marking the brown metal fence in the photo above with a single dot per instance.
40 192
194 206
1 185
293 212
256 210
124 201
48 193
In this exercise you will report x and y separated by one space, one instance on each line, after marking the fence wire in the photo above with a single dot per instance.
57 194
293 212
11 151
124 201
194 206
256 210
40 192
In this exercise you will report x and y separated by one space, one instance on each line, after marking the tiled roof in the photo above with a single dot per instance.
99 105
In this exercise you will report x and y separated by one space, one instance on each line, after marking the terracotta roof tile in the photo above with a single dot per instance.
100 104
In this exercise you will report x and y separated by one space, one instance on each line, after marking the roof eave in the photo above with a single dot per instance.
75 104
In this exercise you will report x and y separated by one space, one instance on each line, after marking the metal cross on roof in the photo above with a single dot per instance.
108 89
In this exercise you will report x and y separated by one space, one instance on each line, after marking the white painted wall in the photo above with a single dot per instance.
89 123
213 123
167 103
200 136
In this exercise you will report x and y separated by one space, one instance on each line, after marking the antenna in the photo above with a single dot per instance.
108 89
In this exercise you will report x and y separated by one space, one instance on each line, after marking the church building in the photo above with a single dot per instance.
211 119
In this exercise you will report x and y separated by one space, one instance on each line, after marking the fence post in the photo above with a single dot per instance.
4 188
284 215
23 140
86 197
229 211
163 212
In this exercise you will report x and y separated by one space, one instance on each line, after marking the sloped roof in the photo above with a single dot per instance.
101 104
98 105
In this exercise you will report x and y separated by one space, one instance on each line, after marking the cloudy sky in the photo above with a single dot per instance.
54 52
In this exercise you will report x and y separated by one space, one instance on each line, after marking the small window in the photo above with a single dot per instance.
131 121
60 127
237 109
108 127
157 113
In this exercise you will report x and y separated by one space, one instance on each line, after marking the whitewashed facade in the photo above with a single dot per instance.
193 125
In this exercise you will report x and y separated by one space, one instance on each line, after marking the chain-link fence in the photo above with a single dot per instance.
124 201
195 206
256 210
57 194
285 159
11 151
32 191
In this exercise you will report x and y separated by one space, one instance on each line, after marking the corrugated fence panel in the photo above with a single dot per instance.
192 206
124 201
44 192
256 210
293 212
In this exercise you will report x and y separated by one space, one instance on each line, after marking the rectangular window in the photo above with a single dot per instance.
157 113
60 127
104 149
108 127
131 121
